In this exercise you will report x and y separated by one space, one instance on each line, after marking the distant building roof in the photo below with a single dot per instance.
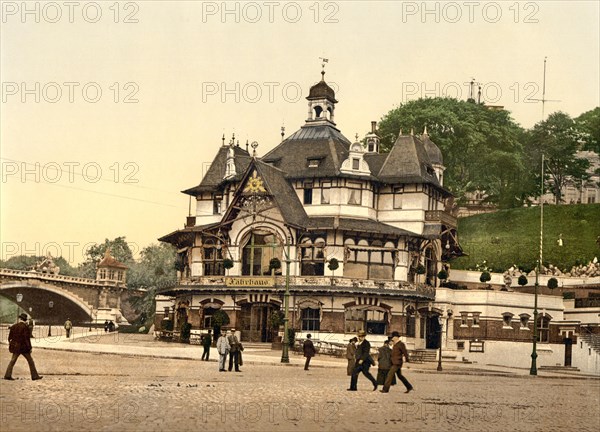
109 261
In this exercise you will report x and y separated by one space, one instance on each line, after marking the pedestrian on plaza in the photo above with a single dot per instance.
398 351
106 326
223 350
19 343
206 342
234 350
68 327
363 362
384 362
309 350
30 324
350 355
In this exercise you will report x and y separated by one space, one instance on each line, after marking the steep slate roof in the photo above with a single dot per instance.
408 162
183 236
323 142
283 193
214 176
433 151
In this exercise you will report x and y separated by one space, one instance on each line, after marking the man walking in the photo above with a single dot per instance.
234 350
309 350
223 350
19 342
68 327
350 355
398 351
363 362
206 342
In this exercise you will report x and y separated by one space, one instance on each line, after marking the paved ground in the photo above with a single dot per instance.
86 389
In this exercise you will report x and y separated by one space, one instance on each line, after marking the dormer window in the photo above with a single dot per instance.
313 163
355 164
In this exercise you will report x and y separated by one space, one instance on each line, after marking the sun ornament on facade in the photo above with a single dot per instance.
255 185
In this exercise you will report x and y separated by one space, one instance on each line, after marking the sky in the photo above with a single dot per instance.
110 109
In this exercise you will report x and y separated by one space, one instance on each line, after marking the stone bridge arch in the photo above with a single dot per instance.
38 296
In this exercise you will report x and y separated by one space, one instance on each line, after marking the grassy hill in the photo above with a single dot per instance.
510 237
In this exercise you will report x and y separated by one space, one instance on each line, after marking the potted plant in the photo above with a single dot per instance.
333 265
522 281
419 270
274 264
219 319
485 277
227 264
442 275
552 283
185 332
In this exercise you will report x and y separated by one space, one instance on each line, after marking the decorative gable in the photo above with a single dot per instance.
355 163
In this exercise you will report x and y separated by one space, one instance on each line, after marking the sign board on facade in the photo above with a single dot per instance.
249 281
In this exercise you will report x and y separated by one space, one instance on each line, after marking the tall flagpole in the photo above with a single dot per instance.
533 370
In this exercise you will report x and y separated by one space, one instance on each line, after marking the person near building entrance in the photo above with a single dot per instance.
19 342
363 362
384 362
68 327
234 350
223 350
206 342
350 352
30 324
309 350
398 351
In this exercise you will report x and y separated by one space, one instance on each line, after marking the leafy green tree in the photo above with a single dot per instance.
155 269
588 127
481 147
557 139
119 249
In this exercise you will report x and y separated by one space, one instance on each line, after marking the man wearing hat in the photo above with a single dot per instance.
363 362
398 351
19 343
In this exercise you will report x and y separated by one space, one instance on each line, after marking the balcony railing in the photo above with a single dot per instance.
442 217
300 282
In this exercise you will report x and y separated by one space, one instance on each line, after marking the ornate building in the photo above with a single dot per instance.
359 236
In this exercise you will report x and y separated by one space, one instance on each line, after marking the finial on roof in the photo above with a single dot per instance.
356 136
223 139
246 146
324 60
254 145
237 143
282 132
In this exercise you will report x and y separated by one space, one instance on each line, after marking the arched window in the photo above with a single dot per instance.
260 248
318 111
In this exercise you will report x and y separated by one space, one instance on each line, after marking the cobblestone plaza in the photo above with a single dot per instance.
129 391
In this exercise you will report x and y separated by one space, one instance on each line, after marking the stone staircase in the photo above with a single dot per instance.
591 339
423 355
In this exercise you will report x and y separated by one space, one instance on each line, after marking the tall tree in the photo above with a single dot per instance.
588 126
481 147
558 139
119 249
155 269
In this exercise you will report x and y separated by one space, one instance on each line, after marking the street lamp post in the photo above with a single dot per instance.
285 358
50 306
441 321
533 370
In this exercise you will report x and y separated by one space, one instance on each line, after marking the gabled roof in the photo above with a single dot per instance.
110 262
408 162
276 186
213 178
323 142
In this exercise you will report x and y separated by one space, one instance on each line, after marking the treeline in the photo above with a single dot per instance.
485 150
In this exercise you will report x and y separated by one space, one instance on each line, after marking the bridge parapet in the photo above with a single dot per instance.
29 274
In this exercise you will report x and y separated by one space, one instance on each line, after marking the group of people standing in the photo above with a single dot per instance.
229 345
389 359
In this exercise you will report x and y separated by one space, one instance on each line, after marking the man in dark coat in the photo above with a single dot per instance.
309 350
398 351
19 343
384 362
234 351
350 355
206 342
363 362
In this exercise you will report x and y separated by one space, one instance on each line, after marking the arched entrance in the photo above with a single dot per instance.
430 327
255 322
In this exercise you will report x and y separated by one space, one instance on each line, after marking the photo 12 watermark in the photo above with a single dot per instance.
270 12
72 413
68 171
255 92
70 92
269 412
71 251
52 12
451 12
